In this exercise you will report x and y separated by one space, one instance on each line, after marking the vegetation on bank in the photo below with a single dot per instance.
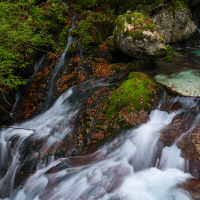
27 27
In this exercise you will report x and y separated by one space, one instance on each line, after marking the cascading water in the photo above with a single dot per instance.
36 68
17 96
60 64
125 168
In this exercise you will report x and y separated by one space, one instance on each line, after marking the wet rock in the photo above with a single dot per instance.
36 153
196 140
193 187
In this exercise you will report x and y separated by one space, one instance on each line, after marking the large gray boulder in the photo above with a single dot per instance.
137 36
174 24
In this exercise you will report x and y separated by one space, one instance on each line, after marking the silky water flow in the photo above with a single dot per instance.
125 168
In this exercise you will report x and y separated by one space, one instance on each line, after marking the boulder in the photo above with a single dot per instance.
138 93
137 36
174 24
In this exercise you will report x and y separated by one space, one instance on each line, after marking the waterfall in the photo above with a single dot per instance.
125 168
64 4
171 158
59 65
17 96
36 68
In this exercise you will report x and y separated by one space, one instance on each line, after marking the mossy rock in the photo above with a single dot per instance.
137 36
137 93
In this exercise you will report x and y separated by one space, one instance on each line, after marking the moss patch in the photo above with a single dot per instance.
138 23
171 54
138 65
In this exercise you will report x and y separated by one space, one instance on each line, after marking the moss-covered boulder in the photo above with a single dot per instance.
136 35
138 93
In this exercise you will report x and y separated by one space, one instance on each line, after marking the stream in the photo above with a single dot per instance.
129 167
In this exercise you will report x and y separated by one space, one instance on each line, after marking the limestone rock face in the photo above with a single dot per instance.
136 35
174 25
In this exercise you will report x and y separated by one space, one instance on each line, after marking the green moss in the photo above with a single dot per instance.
139 23
171 54
137 93
134 65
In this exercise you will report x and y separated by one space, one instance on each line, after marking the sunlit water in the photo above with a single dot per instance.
126 168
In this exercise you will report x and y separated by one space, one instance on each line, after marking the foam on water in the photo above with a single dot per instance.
153 184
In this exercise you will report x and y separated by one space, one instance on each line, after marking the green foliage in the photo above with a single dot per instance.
25 26
180 4
93 28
